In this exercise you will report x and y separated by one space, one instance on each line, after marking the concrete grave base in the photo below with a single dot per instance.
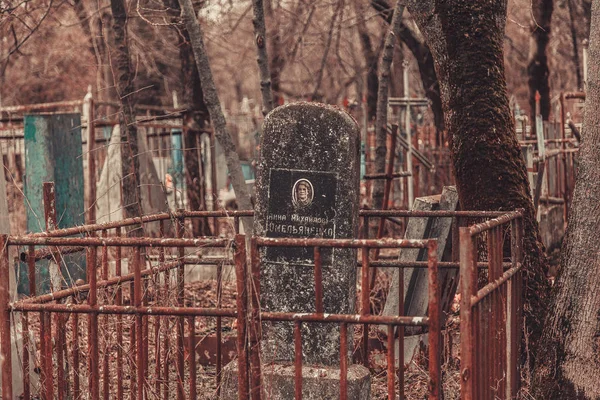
318 383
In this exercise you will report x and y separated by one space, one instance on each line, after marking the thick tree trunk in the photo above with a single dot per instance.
537 66
213 104
569 361
132 204
466 39
424 60
574 41
385 64
277 58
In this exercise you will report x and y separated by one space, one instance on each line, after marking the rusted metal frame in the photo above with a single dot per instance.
180 365
400 329
492 286
393 175
46 355
255 322
105 322
468 373
365 303
494 273
391 364
435 323
50 220
48 253
343 361
137 302
114 281
500 312
501 220
298 360
91 165
83 229
5 347
26 369
132 354
117 241
423 264
219 329
318 271
157 319
242 315
94 377
192 356
563 135
342 243
41 106
118 303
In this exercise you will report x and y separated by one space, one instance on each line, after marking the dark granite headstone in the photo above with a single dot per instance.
307 186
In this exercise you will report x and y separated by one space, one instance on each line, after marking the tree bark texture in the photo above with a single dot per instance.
321 70
370 57
262 56
537 66
195 120
569 361
211 98
277 58
131 197
466 39
387 56
424 60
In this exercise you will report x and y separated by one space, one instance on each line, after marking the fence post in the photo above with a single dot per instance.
435 322
467 264
5 350
242 315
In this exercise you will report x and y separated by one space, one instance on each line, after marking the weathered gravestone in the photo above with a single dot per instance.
308 186
53 153
416 286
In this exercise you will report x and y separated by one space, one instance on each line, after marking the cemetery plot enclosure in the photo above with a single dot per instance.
131 330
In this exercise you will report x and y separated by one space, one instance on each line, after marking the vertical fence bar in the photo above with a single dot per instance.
343 361
75 353
219 328
365 303
166 341
255 328
391 364
157 320
180 320
468 286
400 330
137 302
318 281
242 315
435 322
192 357
93 325
105 354
118 302
298 360
5 350
26 378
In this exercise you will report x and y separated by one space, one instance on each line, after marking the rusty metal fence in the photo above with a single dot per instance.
490 317
137 339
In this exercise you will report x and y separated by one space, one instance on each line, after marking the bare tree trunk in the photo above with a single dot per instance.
537 67
466 40
370 63
574 41
321 70
277 59
132 204
424 60
262 57
211 98
569 358
387 56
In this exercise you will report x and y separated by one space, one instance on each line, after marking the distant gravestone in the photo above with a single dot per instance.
53 153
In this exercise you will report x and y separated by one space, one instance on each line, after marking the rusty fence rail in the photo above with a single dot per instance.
490 317
432 321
